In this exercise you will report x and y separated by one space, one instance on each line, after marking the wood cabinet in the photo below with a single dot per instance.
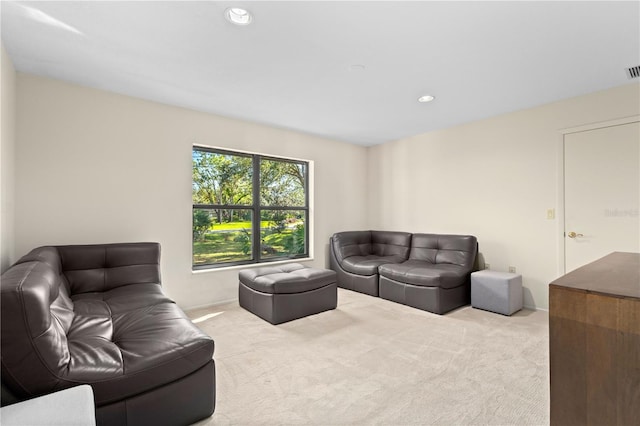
594 343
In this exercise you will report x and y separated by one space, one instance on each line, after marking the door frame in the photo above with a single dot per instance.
560 210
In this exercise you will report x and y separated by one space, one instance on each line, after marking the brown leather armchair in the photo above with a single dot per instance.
97 315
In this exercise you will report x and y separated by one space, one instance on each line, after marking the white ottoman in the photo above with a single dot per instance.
499 292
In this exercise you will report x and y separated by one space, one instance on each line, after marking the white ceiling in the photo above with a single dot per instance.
293 67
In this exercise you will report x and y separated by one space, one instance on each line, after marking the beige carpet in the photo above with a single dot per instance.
374 362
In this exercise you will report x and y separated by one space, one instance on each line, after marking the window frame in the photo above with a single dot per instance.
256 209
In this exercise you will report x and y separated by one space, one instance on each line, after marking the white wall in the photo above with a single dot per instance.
7 159
96 167
493 178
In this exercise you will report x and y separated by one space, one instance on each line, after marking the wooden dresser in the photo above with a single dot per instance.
594 343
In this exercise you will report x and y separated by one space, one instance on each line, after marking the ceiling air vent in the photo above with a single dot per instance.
633 72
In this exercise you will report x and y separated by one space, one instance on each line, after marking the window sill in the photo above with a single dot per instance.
250 265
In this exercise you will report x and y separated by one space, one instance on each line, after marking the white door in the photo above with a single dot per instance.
602 192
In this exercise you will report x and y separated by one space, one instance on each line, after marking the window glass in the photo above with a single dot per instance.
221 236
229 190
282 183
283 233
222 179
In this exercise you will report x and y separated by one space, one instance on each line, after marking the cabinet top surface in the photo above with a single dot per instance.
617 274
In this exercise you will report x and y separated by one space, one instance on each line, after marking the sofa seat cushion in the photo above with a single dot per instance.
368 265
426 274
122 346
126 298
286 279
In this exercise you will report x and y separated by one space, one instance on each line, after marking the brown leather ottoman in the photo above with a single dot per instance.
287 292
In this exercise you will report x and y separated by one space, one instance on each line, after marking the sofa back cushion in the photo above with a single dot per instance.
92 268
366 243
458 250
389 243
351 243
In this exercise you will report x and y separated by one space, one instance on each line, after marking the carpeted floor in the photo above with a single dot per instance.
374 362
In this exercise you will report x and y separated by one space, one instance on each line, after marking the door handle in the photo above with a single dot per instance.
574 235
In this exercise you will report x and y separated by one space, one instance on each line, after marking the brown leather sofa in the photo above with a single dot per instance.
426 271
97 315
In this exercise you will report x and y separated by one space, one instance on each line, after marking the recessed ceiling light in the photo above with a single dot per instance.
238 16
426 98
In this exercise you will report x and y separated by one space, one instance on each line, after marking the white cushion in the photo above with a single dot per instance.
69 407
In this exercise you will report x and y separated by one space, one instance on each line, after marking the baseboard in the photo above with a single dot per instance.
534 308
210 305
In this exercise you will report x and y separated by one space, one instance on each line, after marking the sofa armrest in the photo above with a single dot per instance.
68 407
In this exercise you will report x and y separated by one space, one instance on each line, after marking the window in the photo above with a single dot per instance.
248 208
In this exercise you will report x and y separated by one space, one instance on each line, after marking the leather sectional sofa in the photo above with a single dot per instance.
426 271
97 315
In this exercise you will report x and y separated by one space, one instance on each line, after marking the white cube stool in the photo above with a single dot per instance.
499 292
